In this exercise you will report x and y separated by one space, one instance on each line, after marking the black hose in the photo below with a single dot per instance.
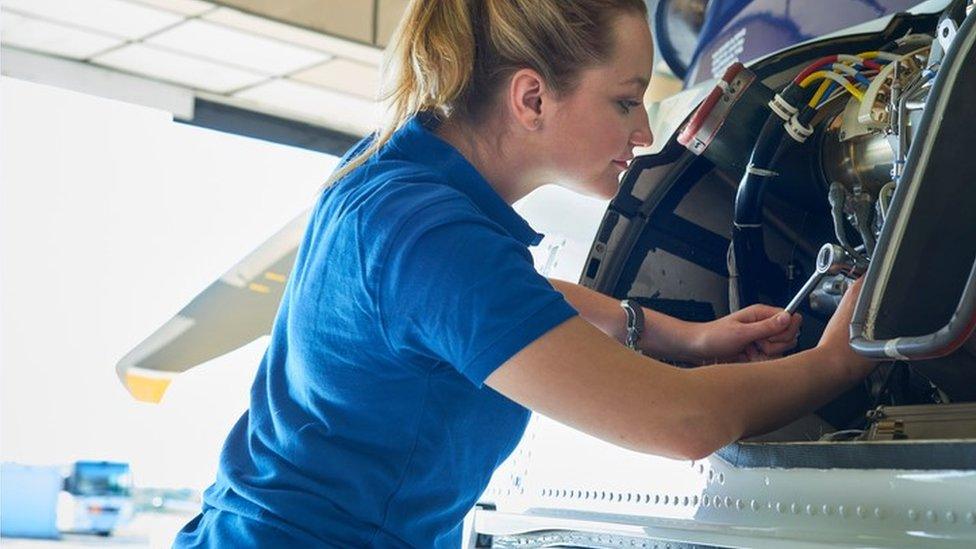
747 232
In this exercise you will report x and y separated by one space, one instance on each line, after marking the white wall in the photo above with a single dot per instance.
112 217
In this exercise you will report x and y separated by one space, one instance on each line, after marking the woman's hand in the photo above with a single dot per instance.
754 333
835 342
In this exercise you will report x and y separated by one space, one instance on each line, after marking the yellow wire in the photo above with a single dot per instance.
820 75
820 92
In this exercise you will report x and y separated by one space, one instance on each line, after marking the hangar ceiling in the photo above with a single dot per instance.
313 62
301 72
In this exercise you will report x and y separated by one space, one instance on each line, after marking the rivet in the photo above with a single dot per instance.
717 501
794 508
930 514
827 510
694 500
950 517
879 513
739 505
754 505
811 510
701 469
912 514
721 478
685 501
766 481
706 501
842 511
676 501
971 517
657 498
667 499
711 475
779 507
728 501
861 512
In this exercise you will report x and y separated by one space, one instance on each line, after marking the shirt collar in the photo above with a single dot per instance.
417 141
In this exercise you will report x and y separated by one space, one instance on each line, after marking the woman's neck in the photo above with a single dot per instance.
504 167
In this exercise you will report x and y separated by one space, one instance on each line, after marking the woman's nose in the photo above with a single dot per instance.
643 136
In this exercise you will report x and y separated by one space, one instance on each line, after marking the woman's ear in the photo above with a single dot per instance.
526 94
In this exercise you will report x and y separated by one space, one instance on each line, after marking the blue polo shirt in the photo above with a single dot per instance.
370 424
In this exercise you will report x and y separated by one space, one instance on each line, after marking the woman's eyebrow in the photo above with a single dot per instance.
639 80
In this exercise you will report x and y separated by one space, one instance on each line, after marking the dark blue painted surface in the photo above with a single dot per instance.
748 29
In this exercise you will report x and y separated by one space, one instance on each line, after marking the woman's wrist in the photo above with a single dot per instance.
670 338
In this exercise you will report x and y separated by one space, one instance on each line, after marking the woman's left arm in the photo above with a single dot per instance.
753 333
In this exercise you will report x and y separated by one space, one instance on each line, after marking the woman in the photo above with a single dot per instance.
415 336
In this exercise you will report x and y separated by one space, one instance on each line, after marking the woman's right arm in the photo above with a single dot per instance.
581 377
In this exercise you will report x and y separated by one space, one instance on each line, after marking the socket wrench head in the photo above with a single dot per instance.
833 260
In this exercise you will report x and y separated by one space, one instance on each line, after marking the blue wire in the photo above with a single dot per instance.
826 95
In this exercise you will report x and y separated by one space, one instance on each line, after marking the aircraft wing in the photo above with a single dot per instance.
234 310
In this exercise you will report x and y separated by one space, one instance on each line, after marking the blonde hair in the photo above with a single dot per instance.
450 57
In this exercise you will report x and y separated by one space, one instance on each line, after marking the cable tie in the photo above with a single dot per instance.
761 171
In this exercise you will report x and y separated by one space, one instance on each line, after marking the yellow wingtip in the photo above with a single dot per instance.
146 389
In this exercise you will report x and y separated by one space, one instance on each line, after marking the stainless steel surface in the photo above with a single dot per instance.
864 160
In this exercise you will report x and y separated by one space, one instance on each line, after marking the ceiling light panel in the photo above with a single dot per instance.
184 7
328 108
115 17
237 48
36 35
289 33
181 69
343 75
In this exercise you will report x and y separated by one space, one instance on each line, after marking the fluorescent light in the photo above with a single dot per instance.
343 75
317 105
94 80
115 17
184 7
295 35
220 43
42 36
173 67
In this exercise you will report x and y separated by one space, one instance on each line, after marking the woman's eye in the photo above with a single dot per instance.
626 105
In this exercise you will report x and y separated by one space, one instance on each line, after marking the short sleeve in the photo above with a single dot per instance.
459 289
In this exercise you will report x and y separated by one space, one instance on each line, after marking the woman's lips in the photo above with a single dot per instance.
621 164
